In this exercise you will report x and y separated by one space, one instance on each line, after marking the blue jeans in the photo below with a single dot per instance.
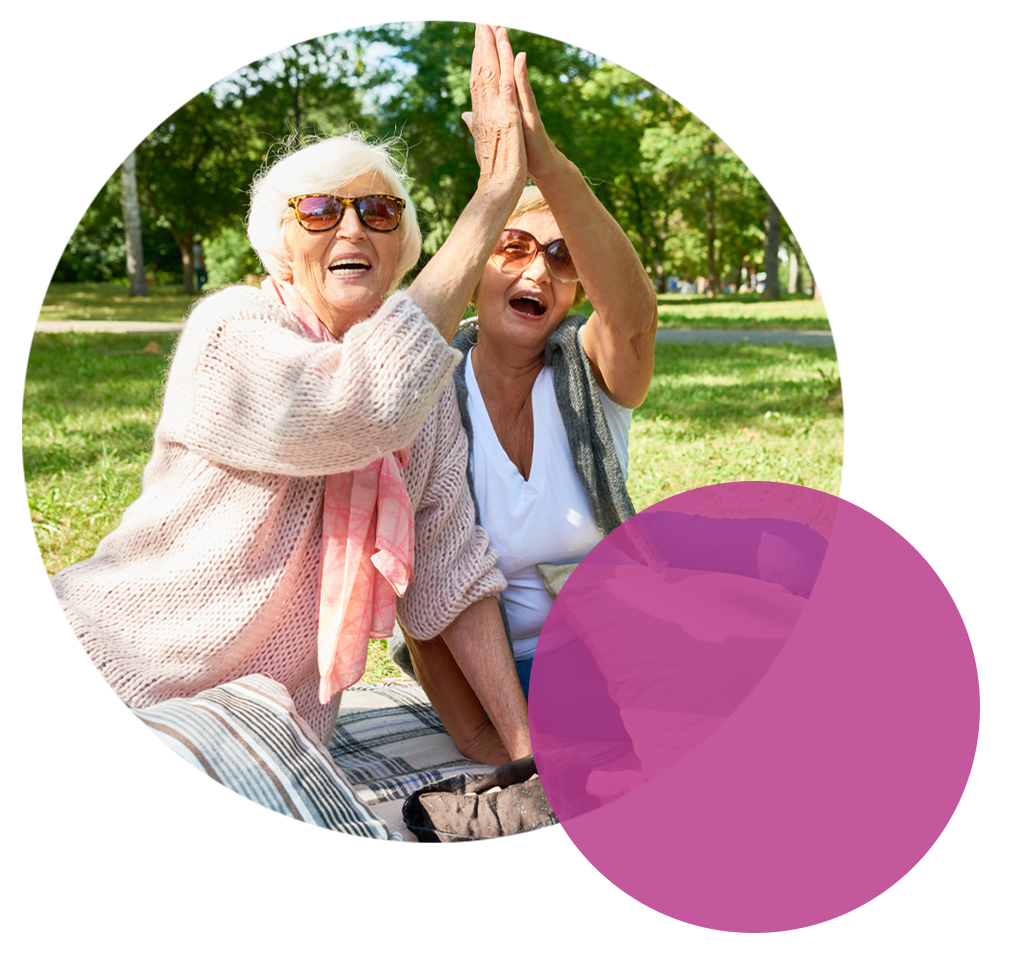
523 668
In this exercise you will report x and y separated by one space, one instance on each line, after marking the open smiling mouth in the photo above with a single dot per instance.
349 265
527 304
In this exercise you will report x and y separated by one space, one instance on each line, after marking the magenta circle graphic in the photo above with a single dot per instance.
756 707
665 628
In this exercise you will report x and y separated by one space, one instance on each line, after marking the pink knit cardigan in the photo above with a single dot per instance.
213 573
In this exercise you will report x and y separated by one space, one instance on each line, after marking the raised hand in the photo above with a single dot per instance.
495 121
541 154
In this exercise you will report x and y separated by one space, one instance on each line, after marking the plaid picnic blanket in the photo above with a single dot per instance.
388 742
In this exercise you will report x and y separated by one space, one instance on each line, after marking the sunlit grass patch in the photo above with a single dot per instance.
91 404
109 301
741 311
718 413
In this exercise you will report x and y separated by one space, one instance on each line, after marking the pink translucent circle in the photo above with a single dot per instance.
738 753
665 628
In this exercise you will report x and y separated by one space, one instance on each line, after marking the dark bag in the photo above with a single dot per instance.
507 801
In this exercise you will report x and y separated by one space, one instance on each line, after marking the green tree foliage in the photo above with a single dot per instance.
426 114
711 192
96 252
594 111
686 201
194 169
310 87
229 258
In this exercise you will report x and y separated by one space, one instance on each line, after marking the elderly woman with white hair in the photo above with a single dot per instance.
308 468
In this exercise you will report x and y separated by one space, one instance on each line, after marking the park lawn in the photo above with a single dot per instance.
110 302
793 312
714 413
719 413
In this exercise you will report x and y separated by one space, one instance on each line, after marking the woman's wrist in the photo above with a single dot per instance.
496 191
556 174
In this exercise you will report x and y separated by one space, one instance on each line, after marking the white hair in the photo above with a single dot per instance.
324 165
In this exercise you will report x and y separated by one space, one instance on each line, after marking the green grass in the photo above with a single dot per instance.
110 302
794 312
718 413
714 413
91 404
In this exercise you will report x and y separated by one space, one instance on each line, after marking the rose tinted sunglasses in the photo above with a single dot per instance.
516 250
323 212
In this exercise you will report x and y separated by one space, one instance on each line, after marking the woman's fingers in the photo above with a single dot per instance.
492 72
484 72
539 149
495 121
527 102
506 66
485 54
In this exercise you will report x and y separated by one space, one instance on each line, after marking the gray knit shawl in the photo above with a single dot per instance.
579 403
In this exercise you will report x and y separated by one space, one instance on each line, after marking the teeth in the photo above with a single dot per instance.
351 262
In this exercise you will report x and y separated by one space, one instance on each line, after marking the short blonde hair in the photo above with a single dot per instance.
324 164
532 200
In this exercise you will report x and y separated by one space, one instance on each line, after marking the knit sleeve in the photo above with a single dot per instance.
248 390
454 565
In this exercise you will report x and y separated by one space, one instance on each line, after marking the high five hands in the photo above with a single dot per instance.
508 134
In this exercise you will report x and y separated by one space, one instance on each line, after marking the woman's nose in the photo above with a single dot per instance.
350 225
537 269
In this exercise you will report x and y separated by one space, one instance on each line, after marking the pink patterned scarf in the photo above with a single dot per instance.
367 550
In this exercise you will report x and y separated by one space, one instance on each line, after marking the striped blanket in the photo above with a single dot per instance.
246 735
389 742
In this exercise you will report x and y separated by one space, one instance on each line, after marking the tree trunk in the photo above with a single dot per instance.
130 214
796 281
771 253
659 277
188 274
709 233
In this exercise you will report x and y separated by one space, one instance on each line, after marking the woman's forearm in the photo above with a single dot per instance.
446 285
611 272
455 702
619 338
478 644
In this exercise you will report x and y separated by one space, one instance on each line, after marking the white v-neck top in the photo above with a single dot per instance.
544 519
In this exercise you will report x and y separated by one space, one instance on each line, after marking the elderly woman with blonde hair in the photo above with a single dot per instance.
546 399
308 469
